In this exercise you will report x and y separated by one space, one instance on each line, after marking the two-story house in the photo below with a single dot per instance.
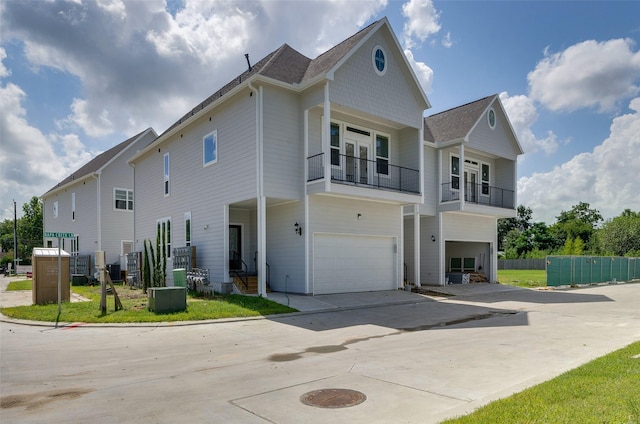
298 169
96 203
470 172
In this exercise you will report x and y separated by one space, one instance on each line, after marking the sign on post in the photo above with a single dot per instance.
58 235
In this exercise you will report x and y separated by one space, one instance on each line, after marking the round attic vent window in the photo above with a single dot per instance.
491 117
379 58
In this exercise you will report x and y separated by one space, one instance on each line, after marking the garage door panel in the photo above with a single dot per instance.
353 263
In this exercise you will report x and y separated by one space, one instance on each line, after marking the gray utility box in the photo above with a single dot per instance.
163 300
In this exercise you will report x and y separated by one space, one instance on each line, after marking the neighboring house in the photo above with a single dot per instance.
298 169
470 171
96 203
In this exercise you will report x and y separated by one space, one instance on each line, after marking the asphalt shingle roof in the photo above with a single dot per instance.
456 123
96 163
287 65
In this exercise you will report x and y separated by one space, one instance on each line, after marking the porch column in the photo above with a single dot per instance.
225 244
262 246
463 191
416 244
326 138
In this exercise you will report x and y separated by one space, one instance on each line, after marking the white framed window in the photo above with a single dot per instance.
55 209
126 246
73 206
166 174
335 144
379 59
382 155
122 199
491 118
455 172
163 228
210 148
485 179
187 228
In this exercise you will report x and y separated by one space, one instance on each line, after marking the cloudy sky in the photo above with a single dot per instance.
79 76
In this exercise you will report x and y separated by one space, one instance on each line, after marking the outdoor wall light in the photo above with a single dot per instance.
359 216
298 229
433 238
206 227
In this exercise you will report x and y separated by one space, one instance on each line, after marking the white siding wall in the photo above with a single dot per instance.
392 95
85 224
429 251
340 216
285 248
497 141
462 227
202 190
431 188
283 145
409 250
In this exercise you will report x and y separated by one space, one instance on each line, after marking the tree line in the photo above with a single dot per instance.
579 231
29 233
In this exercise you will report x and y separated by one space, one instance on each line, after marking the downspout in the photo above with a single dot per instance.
261 200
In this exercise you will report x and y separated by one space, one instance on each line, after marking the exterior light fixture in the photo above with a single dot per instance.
298 229
433 238
359 216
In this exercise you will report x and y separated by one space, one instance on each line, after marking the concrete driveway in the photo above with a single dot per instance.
416 359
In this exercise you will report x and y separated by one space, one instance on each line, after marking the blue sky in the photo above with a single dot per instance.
78 77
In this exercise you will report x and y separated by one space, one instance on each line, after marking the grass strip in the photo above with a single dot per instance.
19 285
523 277
135 309
605 390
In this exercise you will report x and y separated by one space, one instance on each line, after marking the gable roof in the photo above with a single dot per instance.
289 66
456 123
99 162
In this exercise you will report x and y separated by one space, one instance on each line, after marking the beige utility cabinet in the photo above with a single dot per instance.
45 275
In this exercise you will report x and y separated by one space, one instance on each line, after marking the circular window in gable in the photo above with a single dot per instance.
491 117
379 58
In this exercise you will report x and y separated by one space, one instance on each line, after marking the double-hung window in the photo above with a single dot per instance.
382 155
123 199
73 206
166 174
335 144
210 148
455 172
164 235
187 228
485 179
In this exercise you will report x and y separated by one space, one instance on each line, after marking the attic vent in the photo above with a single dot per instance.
359 131
246 56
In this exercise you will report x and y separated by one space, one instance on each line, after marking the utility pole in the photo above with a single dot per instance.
15 238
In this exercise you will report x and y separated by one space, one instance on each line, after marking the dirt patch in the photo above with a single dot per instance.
37 400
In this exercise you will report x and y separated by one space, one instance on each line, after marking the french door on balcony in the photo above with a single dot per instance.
470 185
357 149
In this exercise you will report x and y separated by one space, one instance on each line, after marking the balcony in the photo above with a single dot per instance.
479 194
355 171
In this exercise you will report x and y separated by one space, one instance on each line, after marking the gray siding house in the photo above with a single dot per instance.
96 203
298 170
470 170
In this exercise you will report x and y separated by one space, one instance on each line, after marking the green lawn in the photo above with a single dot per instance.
606 390
135 309
19 285
523 278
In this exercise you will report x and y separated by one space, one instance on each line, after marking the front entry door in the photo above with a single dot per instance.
357 148
235 247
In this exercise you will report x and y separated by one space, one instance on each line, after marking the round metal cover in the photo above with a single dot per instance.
333 398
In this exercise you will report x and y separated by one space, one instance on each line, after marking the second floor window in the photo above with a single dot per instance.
382 155
485 179
166 174
73 206
455 172
335 144
123 199
210 148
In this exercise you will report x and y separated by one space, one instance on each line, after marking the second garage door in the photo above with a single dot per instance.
349 263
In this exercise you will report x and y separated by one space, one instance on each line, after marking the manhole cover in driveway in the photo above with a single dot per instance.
333 398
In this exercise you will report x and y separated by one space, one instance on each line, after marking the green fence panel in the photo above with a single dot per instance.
569 270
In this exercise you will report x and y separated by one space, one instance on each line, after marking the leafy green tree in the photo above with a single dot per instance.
30 228
620 236
568 247
6 236
522 222
581 221
578 247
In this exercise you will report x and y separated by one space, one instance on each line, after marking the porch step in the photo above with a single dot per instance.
252 283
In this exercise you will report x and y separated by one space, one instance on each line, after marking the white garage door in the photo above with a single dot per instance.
350 263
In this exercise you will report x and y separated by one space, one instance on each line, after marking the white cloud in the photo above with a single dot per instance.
446 40
29 162
422 21
588 74
606 178
422 71
4 72
523 114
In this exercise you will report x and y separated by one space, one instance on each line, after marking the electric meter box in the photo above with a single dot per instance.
45 275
